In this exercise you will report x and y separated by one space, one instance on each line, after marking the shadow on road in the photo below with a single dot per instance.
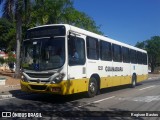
54 106
52 98
117 88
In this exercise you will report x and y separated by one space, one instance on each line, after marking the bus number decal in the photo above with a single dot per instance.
100 67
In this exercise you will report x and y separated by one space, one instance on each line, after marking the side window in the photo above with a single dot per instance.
117 56
126 55
76 51
144 58
92 48
105 51
139 57
133 56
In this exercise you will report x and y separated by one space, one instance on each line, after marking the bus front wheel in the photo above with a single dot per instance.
92 87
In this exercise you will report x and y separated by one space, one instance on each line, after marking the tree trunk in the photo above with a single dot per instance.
18 45
152 68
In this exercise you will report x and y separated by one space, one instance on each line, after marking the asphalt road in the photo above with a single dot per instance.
113 103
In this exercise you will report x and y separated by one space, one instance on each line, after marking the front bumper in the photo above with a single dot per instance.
41 88
63 88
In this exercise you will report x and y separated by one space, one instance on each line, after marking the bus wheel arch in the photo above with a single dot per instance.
94 85
134 80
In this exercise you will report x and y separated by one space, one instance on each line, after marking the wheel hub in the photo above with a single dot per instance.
92 87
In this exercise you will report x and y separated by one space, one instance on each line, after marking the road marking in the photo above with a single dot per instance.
147 87
142 99
152 78
97 101
103 99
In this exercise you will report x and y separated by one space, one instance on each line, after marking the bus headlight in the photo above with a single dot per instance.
57 78
24 78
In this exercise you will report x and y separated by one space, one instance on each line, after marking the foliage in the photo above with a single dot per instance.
82 20
40 12
62 11
49 11
11 58
153 48
2 61
7 35
14 10
24 14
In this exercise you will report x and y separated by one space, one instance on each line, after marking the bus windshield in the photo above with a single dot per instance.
43 54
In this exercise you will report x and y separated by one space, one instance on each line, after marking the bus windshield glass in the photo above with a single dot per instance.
43 54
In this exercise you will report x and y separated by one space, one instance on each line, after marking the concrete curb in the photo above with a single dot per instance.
7 95
12 86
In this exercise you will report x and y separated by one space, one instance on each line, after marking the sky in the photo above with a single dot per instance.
128 21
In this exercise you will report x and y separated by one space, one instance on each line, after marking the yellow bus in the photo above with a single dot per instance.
63 59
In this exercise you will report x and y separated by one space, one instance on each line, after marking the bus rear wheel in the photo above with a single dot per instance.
92 87
133 84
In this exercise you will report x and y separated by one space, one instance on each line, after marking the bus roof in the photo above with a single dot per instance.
94 35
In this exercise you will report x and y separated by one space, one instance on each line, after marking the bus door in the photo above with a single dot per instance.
77 63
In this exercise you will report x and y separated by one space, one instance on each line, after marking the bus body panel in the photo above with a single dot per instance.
76 78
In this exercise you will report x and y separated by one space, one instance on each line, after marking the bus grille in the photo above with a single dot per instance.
38 87
41 81
34 75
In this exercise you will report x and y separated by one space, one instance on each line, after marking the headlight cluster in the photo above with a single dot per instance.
56 78
24 78
59 78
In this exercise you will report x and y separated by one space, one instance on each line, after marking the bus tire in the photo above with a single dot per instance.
92 87
133 84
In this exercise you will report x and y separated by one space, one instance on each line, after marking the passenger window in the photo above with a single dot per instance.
133 56
144 58
105 51
126 55
117 56
139 57
92 48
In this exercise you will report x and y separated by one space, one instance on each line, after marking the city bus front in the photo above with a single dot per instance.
44 60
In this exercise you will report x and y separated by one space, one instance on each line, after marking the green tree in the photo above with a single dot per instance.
14 10
7 35
153 48
11 58
50 11
25 15
2 61
82 20
62 11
